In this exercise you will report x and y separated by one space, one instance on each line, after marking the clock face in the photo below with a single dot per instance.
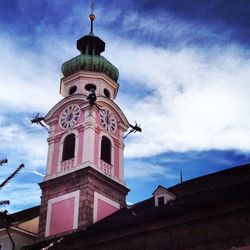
108 120
69 116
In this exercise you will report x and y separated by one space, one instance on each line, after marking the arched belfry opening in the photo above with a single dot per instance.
69 147
106 150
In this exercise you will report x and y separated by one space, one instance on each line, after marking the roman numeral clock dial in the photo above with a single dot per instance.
69 116
108 120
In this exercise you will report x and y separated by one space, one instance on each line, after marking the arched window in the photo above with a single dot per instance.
106 150
69 147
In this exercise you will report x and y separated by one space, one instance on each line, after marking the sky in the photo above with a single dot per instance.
184 77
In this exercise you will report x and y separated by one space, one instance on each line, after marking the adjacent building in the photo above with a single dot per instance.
19 228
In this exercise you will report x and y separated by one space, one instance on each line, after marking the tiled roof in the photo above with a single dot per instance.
20 216
205 190
26 214
146 211
224 178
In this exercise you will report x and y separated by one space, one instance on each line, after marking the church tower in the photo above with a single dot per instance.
84 176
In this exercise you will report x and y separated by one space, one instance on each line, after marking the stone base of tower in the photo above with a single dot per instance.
78 199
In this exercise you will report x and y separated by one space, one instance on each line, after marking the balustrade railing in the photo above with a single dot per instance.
106 168
68 164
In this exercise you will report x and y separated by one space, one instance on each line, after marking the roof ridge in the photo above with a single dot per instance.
217 173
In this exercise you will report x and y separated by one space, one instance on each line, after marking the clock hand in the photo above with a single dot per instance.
69 117
107 119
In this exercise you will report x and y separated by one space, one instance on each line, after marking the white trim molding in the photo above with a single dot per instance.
50 155
76 195
105 199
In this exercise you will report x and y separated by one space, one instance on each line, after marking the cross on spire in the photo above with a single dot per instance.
92 8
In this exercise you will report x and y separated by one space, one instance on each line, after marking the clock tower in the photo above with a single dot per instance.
84 176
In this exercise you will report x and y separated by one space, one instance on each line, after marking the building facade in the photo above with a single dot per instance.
19 229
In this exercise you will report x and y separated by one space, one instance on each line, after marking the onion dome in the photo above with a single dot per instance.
90 59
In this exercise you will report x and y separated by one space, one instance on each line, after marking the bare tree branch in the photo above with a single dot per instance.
11 176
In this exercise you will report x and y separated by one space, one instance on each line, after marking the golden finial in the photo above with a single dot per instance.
91 18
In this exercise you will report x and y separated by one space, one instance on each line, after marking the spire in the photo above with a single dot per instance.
91 18
90 59
91 44
181 179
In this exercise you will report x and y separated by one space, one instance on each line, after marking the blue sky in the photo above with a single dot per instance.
184 76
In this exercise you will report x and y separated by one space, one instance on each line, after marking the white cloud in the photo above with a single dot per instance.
200 101
37 173
149 172
29 81
22 145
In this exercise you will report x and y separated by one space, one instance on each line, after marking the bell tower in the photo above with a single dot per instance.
84 176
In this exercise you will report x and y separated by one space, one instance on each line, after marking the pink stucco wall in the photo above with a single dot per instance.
104 209
80 147
116 161
96 147
117 132
55 157
62 216
98 120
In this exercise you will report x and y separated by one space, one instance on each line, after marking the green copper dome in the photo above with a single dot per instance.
91 62
90 59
